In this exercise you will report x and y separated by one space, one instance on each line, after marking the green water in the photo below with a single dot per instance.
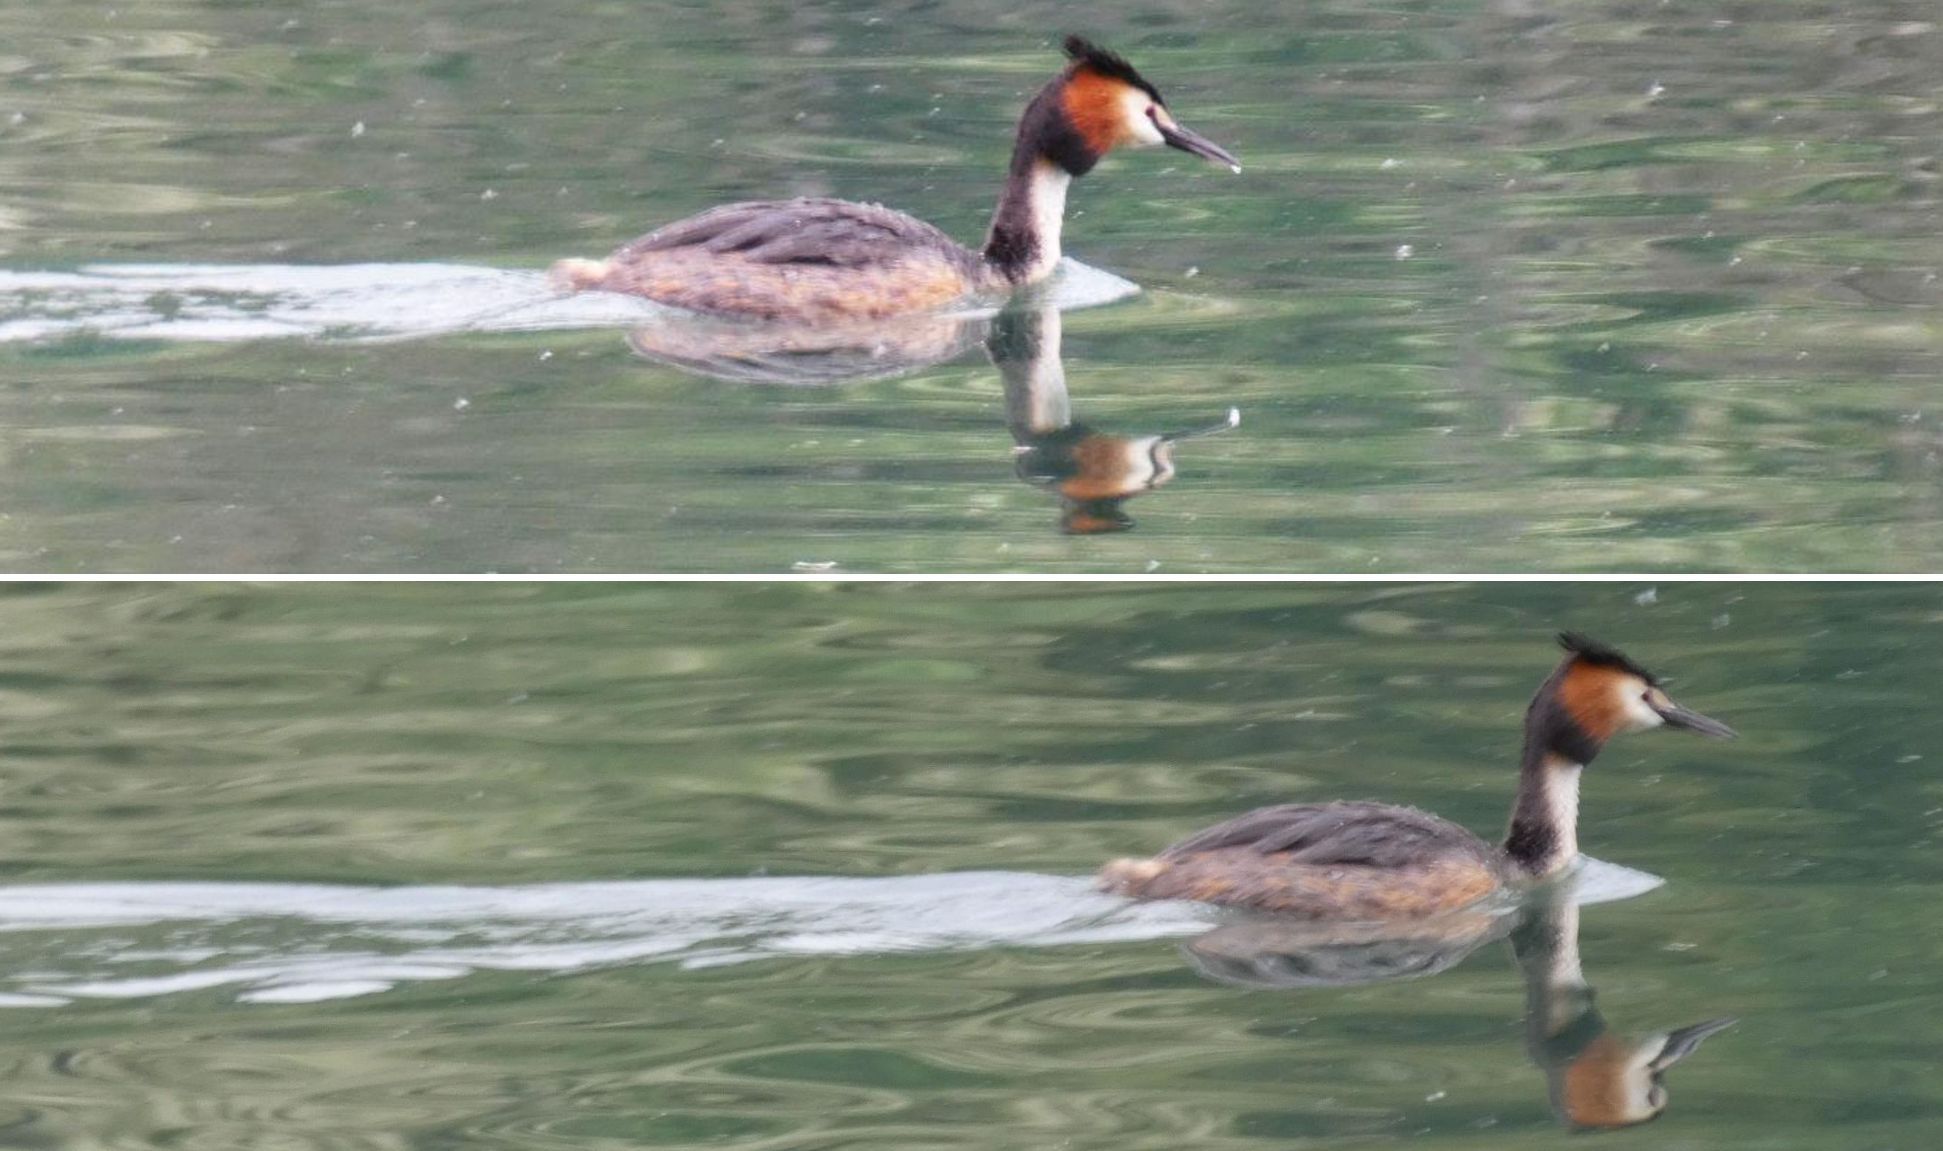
387 740
1601 286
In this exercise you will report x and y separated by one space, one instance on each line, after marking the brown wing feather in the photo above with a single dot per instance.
811 260
1366 834
1239 877
800 231
1340 861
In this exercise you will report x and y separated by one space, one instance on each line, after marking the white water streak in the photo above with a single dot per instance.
223 303
298 943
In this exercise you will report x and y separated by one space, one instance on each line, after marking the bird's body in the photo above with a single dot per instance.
827 260
811 260
1349 860
1376 861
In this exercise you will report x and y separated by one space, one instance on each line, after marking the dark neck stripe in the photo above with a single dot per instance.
1531 841
1045 133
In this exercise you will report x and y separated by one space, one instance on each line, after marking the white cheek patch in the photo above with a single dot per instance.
1142 466
1639 714
1133 111
1640 1088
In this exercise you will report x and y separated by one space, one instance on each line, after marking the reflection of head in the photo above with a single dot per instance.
1596 1079
1093 472
1615 1084
1096 518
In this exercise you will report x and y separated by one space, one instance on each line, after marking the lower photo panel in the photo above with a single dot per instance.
839 865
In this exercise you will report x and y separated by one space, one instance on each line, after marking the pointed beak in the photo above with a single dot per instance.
1233 421
1677 716
1195 144
1687 1040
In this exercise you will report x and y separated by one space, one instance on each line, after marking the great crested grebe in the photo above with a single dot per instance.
823 259
1375 861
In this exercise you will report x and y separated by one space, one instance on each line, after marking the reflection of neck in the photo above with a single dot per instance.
1025 347
1546 945
1561 1022
1544 834
1023 243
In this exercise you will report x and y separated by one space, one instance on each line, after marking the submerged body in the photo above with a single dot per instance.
1375 861
830 260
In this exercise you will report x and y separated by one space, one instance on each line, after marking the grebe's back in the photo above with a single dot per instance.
805 259
1349 860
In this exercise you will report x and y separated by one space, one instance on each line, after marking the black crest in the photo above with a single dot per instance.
1091 55
1599 655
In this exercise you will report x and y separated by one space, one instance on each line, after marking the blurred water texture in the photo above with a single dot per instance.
1505 286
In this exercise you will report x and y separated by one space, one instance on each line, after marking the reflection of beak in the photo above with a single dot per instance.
1687 1040
1677 716
1233 421
1195 144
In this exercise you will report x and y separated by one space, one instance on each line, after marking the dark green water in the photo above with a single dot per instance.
668 753
1612 285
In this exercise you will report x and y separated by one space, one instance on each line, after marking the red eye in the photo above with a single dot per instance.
1153 112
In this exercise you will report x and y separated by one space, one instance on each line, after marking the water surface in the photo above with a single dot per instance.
782 867
1613 286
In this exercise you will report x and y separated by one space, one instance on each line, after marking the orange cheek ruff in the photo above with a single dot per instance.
1590 695
1096 106
1104 473
1596 1087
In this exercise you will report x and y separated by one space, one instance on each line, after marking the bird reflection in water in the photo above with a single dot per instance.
1594 1078
779 352
1093 472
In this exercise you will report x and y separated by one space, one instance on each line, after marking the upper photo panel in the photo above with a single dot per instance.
1458 285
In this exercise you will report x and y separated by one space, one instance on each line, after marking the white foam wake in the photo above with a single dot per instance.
289 943
219 303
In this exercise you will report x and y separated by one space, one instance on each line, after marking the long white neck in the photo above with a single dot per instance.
1024 240
1561 803
1544 835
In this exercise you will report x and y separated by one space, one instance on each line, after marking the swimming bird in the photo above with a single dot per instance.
831 260
1374 861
